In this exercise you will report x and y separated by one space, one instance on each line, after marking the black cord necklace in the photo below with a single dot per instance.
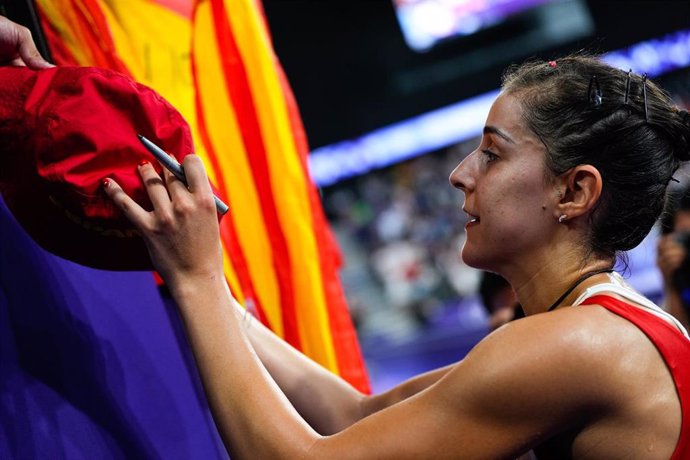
576 284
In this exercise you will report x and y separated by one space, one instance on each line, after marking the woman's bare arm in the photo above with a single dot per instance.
485 407
327 402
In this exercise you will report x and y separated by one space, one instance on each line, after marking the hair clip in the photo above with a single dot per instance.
553 64
627 87
594 92
644 95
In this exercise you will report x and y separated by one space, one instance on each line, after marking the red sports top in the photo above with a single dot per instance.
674 348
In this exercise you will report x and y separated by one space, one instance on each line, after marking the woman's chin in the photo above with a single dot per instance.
474 259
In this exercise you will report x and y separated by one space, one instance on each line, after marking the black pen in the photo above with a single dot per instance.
174 167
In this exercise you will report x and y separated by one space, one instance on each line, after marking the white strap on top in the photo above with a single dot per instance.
620 287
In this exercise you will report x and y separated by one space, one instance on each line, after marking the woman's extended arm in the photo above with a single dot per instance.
327 402
460 414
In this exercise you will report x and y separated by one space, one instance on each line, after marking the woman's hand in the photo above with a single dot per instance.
181 233
17 47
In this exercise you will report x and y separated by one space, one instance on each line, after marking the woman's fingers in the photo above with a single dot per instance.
181 196
176 187
155 187
197 192
135 213
181 232
196 175
169 196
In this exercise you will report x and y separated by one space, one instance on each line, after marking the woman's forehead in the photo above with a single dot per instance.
505 115
505 120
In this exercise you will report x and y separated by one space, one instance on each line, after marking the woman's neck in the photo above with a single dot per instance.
542 283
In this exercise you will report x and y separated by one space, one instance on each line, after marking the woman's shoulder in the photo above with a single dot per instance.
575 329
556 372
553 369
562 350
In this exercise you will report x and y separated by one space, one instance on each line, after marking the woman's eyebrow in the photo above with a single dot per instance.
498 132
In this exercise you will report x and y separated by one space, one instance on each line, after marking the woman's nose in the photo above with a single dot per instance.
461 176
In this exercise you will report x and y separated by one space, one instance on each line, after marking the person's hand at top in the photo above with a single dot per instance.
181 233
18 48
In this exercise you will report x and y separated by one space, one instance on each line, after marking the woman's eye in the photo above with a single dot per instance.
490 156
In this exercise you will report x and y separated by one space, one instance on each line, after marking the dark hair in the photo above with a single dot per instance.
635 152
491 284
678 201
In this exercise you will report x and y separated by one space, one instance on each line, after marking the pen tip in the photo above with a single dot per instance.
140 136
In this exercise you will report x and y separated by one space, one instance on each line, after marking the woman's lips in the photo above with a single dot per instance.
474 220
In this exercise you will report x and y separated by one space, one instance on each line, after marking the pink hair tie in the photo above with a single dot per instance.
552 64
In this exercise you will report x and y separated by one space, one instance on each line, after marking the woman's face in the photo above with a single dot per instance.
506 195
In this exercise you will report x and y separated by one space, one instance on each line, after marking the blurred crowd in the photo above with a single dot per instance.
401 236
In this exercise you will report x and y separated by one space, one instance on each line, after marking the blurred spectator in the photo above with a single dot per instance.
408 278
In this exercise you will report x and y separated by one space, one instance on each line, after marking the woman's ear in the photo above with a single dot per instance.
580 189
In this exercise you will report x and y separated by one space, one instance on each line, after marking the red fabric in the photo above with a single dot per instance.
674 348
62 131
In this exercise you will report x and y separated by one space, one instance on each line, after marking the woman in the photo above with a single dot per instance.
572 168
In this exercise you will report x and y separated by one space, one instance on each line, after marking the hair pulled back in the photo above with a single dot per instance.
635 152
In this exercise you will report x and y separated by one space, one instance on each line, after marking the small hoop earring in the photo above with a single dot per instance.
562 218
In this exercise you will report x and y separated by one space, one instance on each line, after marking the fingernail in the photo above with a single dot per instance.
106 183
142 163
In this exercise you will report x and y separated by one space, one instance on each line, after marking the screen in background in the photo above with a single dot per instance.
425 23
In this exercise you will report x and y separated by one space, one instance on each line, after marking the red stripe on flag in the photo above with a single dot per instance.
240 92
97 33
227 227
58 50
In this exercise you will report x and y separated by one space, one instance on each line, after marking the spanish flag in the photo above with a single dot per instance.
213 60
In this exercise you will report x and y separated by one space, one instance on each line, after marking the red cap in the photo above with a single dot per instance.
62 131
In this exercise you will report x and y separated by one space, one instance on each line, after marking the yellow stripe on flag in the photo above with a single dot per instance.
65 21
235 173
231 277
286 173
